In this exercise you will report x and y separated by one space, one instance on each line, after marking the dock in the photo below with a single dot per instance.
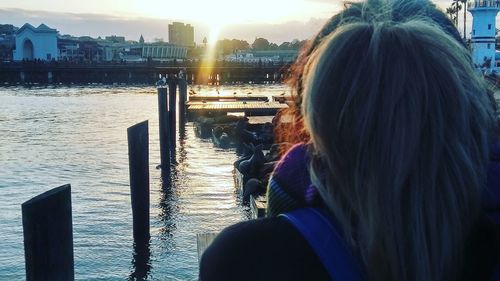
258 206
227 98
250 108
239 181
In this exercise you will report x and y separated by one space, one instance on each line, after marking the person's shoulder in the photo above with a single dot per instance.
264 249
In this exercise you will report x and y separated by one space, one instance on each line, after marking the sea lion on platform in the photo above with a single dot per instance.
244 135
245 151
252 187
224 140
251 166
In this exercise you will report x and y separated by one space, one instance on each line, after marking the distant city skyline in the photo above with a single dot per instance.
276 20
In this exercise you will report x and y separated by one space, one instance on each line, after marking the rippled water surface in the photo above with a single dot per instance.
53 136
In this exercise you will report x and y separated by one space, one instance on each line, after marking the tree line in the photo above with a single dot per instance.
228 46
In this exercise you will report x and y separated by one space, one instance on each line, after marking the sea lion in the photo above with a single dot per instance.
251 166
252 187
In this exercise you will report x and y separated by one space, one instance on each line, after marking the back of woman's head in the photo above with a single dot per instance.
396 11
399 127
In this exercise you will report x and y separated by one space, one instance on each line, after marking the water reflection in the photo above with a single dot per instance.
182 130
141 261
49 134
168 209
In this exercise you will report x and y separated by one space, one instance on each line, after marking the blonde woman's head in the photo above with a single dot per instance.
399 126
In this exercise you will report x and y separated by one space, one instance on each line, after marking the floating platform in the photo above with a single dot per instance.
258 206
227 98
253 108
239 181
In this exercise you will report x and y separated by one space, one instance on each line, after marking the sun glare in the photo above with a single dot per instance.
215 30
226 12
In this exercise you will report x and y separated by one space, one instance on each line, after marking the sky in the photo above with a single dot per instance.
276 20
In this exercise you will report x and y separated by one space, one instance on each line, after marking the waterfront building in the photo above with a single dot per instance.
8 29
163 51
7 41
115 39
44 43
483 47
267 56
127 51
79 49
69 49
35 43
181 34
136 52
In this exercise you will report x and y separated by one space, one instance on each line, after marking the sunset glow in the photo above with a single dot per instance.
222 11
216 19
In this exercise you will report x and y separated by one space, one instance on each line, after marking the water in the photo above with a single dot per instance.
53 136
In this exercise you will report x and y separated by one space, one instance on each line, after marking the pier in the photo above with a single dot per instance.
138 73
222 108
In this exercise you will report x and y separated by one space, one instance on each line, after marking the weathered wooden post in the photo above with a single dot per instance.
163 124
22 77
138 161
48 236
172 114
182 103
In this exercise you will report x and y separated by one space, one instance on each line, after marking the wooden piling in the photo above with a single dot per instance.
172 114
163 124
138 159
203 240
48 236
182 103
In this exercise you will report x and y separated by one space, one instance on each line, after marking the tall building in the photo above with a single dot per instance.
484 14
181 34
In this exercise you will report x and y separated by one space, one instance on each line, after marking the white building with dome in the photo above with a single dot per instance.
36 43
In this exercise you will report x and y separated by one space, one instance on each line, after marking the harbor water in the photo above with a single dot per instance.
50 136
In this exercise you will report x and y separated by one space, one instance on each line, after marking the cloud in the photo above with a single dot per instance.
104 25
326 1
275 32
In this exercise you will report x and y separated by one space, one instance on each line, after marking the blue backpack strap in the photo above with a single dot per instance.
496 274
320 232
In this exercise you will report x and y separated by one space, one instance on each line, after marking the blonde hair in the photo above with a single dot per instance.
399 126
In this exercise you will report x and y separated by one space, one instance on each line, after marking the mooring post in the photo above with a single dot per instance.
163 124
138 161
48 236
182 102
172 114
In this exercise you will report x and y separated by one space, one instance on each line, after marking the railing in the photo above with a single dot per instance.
128 64
484 4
